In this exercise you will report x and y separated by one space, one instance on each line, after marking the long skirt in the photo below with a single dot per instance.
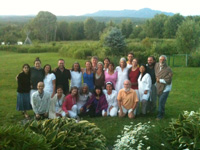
23 101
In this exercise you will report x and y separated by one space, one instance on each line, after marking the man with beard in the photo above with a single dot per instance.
163 84
62 76
151 61
127 101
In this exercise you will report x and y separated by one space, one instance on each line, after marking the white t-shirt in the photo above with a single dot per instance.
76 79
111 99
48 82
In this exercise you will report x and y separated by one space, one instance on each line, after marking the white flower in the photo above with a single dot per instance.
191 113
148 148
162 144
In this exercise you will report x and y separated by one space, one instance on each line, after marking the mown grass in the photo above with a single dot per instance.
184 96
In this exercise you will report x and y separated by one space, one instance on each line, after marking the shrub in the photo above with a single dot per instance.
16 137
67 134
194 59
134 137
184 132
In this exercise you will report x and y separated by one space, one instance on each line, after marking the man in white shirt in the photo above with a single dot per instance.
40 102
163 84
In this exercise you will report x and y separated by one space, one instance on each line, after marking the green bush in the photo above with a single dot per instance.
194 59
165 48
184 132
30 48
67 134
17 138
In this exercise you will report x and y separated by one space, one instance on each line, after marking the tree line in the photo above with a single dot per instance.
45 28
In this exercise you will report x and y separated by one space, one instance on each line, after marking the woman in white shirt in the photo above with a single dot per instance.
76 75
49 80
111 97
84 96
122 75
144 87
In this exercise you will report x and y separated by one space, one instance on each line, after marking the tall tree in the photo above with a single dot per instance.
171 25
90 28
114 41
44 26
188 36
155 26
126 27
63 31
76 30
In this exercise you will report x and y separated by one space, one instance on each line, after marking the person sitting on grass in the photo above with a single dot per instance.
96 105
111 97
69 105
23 91
55 109
84 96
40 102
127 101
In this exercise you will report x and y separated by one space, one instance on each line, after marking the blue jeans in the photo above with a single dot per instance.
161 108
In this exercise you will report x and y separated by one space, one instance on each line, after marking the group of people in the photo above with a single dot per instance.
99 89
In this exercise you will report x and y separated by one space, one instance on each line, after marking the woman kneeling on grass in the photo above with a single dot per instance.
23 90
111 97
69 105
55 109
97 104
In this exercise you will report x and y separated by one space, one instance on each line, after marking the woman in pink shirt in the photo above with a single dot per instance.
69 106
111 74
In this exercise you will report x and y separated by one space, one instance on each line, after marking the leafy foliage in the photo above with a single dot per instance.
184 132
187 36
16 137
134 136
65 133
115 41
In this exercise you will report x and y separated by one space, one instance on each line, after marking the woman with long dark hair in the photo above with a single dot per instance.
49 80
97 104
23 90
69 105
76 75
144 87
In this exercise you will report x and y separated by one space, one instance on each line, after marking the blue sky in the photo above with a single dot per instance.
81 7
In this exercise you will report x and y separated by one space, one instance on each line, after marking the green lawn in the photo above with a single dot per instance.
184 96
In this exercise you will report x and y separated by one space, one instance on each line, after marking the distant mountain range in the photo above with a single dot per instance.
142 13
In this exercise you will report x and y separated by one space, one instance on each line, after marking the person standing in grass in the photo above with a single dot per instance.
49 80
99 77
69 105
163 84
106 63
144 87
94 61
40 102
133 74
111 74
88 75
130 59
23 90
127 101
37 75
62 76
122 74
151 61
76 75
